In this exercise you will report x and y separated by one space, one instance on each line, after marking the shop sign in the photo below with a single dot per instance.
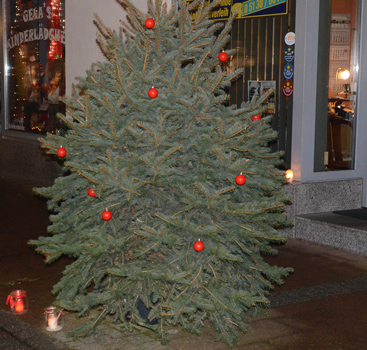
257 8
37 13
288 71
289 54
248 8
288 88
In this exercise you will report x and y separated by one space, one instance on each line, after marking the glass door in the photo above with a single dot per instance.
337 86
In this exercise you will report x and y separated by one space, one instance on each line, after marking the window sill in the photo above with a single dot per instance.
20 136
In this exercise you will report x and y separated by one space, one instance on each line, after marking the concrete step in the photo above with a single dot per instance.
334 230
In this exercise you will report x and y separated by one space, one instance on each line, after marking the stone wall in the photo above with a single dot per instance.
322 197
22 158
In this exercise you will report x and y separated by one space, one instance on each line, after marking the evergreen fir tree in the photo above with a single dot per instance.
165 168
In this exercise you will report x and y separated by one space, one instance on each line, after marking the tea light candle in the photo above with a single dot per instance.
289 175
52 322
19 305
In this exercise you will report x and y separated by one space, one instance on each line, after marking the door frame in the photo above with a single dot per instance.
304 102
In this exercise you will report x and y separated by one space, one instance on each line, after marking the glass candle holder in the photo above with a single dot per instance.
18 302
53 319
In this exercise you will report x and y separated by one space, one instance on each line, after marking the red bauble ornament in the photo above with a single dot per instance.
256 117
61 152
223 56
153 92
198 245
150 23
240 179
106 215
92 192
47 255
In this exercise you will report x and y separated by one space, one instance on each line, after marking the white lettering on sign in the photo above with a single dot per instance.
40 33
37 13
36 34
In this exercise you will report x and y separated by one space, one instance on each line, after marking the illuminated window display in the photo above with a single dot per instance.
34 61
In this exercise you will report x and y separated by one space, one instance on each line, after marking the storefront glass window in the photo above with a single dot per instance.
34 64
336 114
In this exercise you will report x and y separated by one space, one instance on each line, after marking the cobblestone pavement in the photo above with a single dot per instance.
320 307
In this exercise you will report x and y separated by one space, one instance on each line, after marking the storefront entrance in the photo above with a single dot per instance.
328 142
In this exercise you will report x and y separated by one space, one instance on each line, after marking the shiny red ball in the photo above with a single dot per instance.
199 246
150 23
106 215
240 179
153 92
223 56
92 192
256 117
61 152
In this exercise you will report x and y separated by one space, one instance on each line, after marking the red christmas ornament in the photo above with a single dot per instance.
153 92
92 192
198 245
47 255
106 215
150 23
223 56
240 179
61 152
256 117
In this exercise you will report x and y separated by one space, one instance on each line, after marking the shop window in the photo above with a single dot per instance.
34 64
336 114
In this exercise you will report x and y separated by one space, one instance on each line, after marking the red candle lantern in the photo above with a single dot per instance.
18 302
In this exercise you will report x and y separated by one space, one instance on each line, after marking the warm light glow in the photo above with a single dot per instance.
289 175
17 301
341 73
345 74
19 305
52 322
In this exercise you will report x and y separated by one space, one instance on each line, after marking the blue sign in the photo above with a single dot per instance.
261 7
289 54
288 71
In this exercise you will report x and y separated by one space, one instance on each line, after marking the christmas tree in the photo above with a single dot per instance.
170 196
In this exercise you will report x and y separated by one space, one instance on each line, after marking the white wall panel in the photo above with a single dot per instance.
81 46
